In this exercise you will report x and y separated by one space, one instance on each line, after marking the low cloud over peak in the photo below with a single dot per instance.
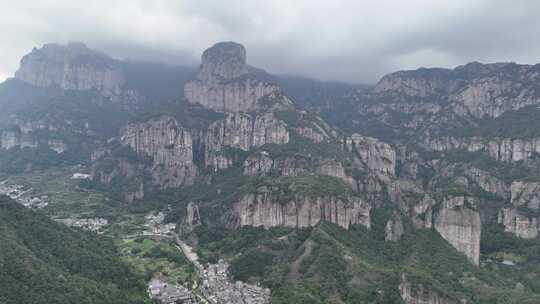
348 40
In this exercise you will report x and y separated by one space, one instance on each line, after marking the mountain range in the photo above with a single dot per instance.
422 188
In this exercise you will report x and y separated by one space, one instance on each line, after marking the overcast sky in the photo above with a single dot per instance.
349 40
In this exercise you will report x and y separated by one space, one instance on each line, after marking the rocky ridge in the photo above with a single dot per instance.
226 83
74 66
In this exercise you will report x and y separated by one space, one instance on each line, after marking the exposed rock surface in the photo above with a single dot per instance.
474 89
418 294
518 224
226 83
487 182
525 194
265 210
394 228
193 217
168 145
258 164
414 201
460 226
335 168
516 220
245 132
71 67
377 156
503 149
132 187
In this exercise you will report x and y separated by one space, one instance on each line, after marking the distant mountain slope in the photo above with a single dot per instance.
45 262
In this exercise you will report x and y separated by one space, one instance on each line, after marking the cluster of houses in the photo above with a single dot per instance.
89 224
154 225
168 293
218 288
22 195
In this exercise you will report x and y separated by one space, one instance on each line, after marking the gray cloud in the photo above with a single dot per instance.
347 40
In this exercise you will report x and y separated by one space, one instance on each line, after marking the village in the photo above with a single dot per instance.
89 224
214 286
22 195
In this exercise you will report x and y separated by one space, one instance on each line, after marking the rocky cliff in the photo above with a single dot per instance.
226 83
474 89
71 67
418 294
525 194
170 147
123 177
460 226
263 209
377 156
521 218
394 228
503 149
245 132
522 226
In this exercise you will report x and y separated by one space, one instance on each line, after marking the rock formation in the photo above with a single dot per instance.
123 177
418 294
394 228
475 89
226 83
169 146
244 132
377 156
263 209
71 67
460 226
520 225
525 194
487 182
503 149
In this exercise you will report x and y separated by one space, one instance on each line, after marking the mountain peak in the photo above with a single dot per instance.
226 60
72 66
225 81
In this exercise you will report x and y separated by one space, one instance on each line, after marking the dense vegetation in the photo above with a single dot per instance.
358 266
45 262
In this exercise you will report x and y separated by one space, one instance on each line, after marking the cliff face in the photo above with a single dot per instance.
377 156
262 164
394 228
520 225
523 196
504 149
461 227
418 294
71 67
413 201
226 83
475 89
265 210
130 175
168 145
487 182
244 132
